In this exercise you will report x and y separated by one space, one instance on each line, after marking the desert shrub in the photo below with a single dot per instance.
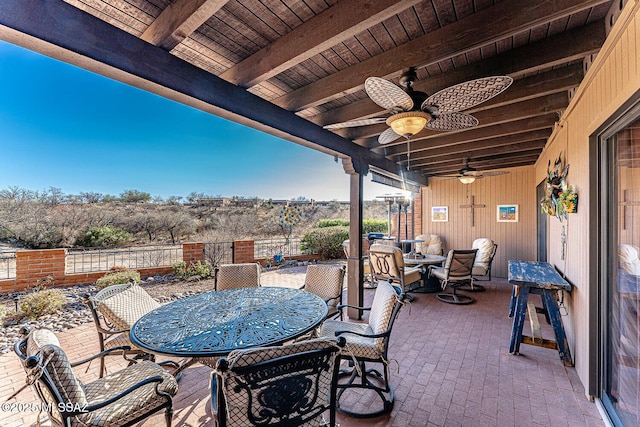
325 241
103 237
3 313
333 222
117 277
368 225
203 270
374 226
41 301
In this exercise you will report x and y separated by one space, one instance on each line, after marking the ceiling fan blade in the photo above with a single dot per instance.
386 94
452 121
355 123
468 94
388 136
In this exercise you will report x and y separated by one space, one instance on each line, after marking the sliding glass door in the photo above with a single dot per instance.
620 210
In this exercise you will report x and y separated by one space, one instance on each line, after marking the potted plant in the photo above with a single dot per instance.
568 200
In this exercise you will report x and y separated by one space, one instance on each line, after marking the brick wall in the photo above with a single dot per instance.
33 265
243 251
192 252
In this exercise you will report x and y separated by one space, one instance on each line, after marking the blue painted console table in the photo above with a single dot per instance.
530 277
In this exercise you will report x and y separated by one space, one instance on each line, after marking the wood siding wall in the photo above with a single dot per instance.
515 240
612 79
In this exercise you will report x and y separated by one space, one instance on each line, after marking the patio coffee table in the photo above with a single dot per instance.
214 323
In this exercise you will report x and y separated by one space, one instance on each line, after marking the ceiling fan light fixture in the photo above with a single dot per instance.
467 179
408 123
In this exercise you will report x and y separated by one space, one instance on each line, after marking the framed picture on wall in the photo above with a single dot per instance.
507 213
439 213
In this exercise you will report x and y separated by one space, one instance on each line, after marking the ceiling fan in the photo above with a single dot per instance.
411 110
467 175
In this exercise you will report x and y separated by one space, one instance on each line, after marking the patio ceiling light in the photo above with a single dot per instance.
467 179
408 123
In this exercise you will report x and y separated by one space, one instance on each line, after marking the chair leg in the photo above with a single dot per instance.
168 415
455 298
473 288
384 390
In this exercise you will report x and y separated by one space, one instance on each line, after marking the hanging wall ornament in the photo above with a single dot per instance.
560 198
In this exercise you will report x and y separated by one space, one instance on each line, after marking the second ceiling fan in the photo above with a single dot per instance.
411 111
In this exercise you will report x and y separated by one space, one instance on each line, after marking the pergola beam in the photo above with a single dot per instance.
539 56
492 143
341 21
447 42
178 20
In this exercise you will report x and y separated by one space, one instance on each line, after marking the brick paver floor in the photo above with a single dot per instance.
450 367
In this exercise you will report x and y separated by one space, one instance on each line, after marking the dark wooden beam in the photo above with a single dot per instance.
506 150
485 165
178 20
64 32
341 21
492 143
447 42
476 162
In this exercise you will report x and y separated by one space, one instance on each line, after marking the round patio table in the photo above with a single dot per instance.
431 285
214 323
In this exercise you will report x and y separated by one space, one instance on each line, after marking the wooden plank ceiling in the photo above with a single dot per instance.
310 58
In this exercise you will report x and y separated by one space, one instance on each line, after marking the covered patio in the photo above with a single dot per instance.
292 67
453 369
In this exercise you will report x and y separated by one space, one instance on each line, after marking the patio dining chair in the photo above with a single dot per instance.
456 272
431 245
366 344
366 267
232 276
291 385
387 263
114 310
122 398
482 265
327 282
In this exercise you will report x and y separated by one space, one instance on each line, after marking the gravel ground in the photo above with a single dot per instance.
75 312
162 288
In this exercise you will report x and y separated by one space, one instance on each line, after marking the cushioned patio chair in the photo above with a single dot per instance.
387 263
482 265
291 385
115 309
432 244
367 343
366 267
232 276
122 398
456 272
327 282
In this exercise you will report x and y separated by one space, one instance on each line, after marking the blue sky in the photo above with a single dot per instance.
64 127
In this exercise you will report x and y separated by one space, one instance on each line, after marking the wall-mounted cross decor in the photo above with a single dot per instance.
472 206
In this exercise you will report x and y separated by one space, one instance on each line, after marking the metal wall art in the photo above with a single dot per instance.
560 198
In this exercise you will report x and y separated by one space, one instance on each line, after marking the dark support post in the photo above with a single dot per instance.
355 286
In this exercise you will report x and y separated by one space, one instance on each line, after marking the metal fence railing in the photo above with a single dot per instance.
271 248
7 265
88 260
218 253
